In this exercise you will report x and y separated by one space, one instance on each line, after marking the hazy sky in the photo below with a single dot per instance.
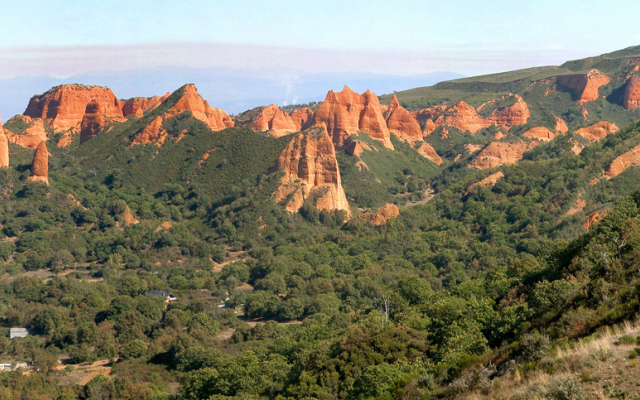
65 37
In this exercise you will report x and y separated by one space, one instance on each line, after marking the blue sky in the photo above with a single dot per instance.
66 37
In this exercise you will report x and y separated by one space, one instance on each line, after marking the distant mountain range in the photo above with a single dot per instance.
230 89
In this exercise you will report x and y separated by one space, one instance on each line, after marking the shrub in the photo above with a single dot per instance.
134 349
534 347
566 388
633 354
627 339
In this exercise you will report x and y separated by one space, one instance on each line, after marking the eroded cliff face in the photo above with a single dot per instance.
92 122
302 118
31 136
64 106
585 86
40 164
402 123
561 126
427 151
622 162
4 150
512 115
311 171
383 215
463 117
274 120
500 153
598 130
631 98
539 133
489 181
137 106
347 112
215 118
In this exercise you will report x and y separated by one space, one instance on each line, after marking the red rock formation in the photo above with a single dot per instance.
137 106
428 113
4 150
585 86
595 217
311 170
31 136
597 131
301 118
499 135
401 123
384 214
576 208
92 122
515 114
631 99
215 118
273 119
427 151
154 132
356 148
429 127
539 133
64 106
345 113
561 126
40 165
489 181
622 162
463 117
499 153
472 148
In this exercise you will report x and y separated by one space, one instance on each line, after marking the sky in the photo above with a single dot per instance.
67 37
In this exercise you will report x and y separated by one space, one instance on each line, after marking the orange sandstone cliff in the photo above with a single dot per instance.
402 123
347 112
489 181
40 164
426 150
508 116
622 162
64 106
137 106
31 136
463 117
597 131
273 119
301 118
4 150
584 86
311 171
499 153
539 133
215 118
384 214
561 126
92 121
631 99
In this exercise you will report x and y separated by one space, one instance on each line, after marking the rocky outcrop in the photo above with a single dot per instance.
463 117
382 216
631 98
489 181
427 151
347 112
64 106
4 150
595 217
429 127
31 136
539 133
584 86
311 172
622 162
598 130
512 115
274 120
428 113
576 208
402 123
302 118
500 153
153 132
215 118
137 106
561 126
355 147
40 164
92 122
